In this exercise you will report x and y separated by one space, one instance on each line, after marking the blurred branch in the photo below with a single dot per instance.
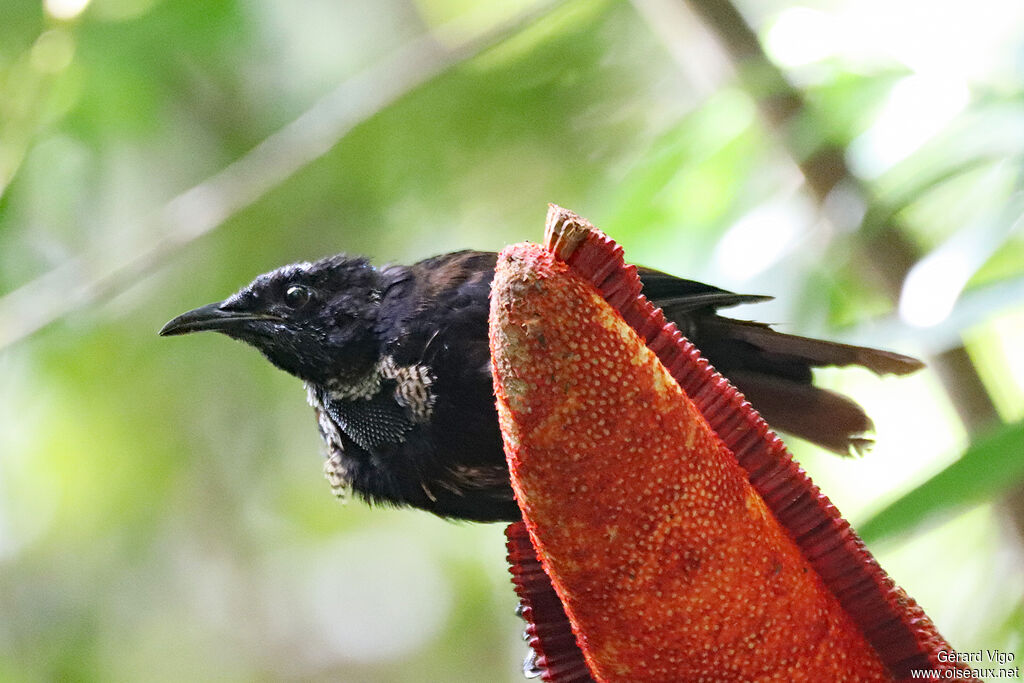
974 306
885 252
107 269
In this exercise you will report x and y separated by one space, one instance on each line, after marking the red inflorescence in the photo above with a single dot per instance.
548 630
682 540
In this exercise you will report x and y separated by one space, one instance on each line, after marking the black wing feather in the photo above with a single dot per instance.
773 369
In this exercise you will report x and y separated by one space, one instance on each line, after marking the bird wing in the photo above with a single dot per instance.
441 324
444 325
773 369
681 296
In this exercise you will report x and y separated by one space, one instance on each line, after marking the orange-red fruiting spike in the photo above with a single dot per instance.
678 574
669 563
548 630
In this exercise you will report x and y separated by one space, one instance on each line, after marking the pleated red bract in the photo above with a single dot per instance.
679 536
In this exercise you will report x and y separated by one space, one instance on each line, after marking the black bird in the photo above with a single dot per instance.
397 367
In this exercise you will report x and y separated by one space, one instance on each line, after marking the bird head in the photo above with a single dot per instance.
314 320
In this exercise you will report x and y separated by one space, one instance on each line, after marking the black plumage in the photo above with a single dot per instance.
397 367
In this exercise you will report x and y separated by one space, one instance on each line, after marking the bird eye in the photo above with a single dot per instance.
297 296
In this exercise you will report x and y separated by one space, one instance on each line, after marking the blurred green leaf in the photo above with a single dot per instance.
986 471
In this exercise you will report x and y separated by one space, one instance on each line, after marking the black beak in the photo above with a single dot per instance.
210 317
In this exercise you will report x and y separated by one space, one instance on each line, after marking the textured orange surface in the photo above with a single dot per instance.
668 563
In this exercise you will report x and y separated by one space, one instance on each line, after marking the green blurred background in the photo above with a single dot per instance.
162 512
